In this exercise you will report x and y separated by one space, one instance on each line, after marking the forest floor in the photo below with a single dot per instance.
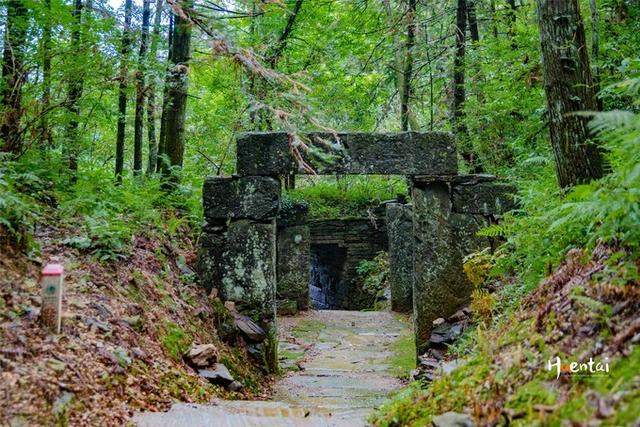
126 325
339 365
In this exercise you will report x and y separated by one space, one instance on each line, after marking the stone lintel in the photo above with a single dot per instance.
246 197
404 153
483 198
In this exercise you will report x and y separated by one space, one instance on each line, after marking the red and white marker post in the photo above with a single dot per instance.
52 282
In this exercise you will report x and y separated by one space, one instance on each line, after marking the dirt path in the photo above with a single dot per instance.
340 365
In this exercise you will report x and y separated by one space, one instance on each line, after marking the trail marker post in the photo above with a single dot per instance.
52 282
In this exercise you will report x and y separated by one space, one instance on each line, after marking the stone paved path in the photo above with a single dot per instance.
338 371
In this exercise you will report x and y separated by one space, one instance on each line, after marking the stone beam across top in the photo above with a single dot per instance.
404 153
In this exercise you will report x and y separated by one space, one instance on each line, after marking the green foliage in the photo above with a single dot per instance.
373 275
19 207
175 340
346 196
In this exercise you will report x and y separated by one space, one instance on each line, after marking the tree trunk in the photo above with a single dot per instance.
13 76
76 84
473 21
46 138
138 126
177 94
458 70
569 88
162 141
595 48
511 16
122 90
494 19
151 100
407 74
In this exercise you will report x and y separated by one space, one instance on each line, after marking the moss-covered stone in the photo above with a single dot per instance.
294 266
440 286
405 153
246 197
401 244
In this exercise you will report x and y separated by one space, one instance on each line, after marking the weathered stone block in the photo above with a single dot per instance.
406 153
247 197
294 265
401 243
465 228
440 286
292 213
474 196
248 269
210 258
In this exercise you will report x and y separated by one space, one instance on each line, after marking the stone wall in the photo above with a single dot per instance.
360 239
238 248
448 211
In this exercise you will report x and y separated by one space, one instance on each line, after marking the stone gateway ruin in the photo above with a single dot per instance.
257 251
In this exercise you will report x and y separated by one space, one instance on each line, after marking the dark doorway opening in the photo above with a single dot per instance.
327 266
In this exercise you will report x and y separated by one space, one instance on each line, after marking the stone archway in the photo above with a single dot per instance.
238 251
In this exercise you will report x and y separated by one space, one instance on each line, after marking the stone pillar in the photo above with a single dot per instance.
238 248
399 220
440 286
293 259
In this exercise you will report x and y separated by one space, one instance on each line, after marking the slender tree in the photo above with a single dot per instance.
46 136
405 95
162 140
76 84
458 69
151 99
138 126
595 47
473 21
177 94
122 90
14 76
570 89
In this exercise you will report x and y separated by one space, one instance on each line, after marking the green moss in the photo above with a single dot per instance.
403 360
175 340
308 330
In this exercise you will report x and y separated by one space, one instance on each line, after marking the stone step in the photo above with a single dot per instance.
244 414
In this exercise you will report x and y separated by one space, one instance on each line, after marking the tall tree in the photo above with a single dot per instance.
122 89
595 47
75 89
178 89
458 69
151 99
14 76
473 20
138 126
407 77
162 140
46 136
570 89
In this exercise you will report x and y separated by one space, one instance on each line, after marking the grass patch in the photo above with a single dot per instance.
175 340
308 330
403 360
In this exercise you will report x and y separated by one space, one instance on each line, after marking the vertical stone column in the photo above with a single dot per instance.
293 259
440 286
399 220
238 249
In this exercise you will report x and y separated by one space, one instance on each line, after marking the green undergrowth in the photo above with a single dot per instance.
102 216
403 360
331 197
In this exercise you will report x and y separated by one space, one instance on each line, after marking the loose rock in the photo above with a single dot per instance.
219 375
200 356
453 419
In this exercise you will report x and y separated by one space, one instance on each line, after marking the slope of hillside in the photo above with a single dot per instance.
568 354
